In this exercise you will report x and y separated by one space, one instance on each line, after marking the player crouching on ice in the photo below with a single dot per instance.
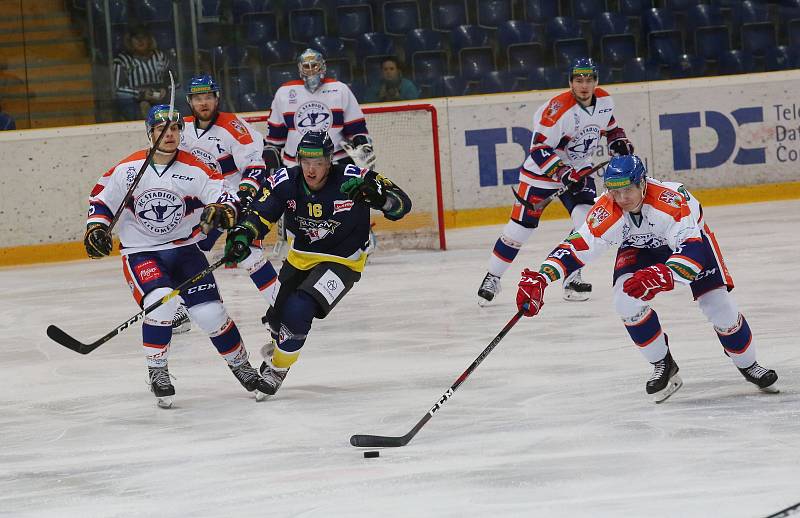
177 196
326 208
662 239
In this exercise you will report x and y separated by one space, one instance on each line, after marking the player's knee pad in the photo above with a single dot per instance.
578 214
298 312
626 306
164 313
211 316
719 308
516 234
255 260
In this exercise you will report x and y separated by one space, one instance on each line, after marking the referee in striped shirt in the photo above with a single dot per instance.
140 74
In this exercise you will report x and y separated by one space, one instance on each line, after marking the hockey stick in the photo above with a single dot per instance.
147 161
545 202
789 511
371 441
61 337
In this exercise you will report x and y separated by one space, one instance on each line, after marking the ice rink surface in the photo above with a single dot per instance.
555 422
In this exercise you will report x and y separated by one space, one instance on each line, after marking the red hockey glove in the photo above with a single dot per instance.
530 291
646 282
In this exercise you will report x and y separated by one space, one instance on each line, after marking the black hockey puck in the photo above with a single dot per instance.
371 454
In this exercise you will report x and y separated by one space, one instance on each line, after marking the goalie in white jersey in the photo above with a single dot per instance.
176 200
233 148
566 134
662 241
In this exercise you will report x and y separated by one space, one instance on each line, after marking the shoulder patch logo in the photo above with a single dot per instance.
237 125
553 109
598 215
670 198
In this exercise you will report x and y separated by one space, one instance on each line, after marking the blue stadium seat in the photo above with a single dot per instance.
521 43
448 14
330 46
562 28
735 62
428 67
711 42
419 40
254 102
634 7
541 11
687 65
656 19
566 51
793 33
211 8
240 8
353 19
153 10
781 57
164 34
278 51
609 23
259 28
639 69
400 17
118 12
499 81
280 73
664 47
587 9
617 44
472 46
307 19
753 12
546 78
491 13
371 48
453 86
758 37
239 84
340 68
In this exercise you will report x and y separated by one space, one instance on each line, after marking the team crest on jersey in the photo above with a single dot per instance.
313 115
237 125
130 175
159 210
598 215
553 109
584 142
315 229
342 205
207 158
291 205
670 198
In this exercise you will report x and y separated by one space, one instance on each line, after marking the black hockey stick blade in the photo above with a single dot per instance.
375 441
62 338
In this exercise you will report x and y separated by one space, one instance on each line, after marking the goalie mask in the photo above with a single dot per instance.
311 65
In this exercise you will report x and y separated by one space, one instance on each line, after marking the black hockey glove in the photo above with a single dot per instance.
621 146
246 194
237 244
97 241
367 189
217 215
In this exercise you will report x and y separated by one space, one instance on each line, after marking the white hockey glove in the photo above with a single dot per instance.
360 150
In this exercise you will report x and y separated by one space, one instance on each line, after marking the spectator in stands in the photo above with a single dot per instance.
392 86
6 121
140 75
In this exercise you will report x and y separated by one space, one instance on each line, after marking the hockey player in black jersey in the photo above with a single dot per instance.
327 212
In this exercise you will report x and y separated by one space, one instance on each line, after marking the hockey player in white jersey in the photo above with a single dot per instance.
662 241
233 148
176 200
566 134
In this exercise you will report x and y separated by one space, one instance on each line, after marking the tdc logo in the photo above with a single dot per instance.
725 127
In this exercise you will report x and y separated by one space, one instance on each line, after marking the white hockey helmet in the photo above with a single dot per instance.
311 65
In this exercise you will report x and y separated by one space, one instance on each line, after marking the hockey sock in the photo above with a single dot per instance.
156 339
296 317
645 331
737 340
507 247
261 272
228 343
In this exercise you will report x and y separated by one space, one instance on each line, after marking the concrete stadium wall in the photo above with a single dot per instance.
734 138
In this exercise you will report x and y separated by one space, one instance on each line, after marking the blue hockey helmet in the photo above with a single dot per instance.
315 144
624 170
159 114
202 84
582 67
311 65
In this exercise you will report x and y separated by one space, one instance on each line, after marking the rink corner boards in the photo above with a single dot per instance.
57 252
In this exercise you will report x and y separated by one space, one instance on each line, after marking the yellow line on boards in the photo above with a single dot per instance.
57 252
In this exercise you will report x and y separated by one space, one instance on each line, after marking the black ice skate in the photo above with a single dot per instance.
763 378
273 376
575 289
489 288
180 322
251 381
161 386
665 380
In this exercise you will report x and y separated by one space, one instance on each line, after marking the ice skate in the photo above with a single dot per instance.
251 381
161 386
665 380
490 287
575 289
763 378
180 322
272 375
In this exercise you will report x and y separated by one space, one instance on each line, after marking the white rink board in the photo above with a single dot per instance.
555 422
